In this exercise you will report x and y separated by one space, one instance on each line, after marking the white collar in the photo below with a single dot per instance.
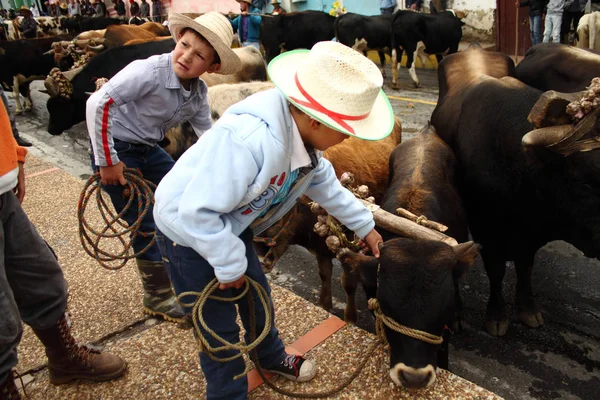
300 157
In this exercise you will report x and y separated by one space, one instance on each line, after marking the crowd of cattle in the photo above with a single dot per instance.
501 159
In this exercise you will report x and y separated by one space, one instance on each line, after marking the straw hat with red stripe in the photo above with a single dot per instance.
337 86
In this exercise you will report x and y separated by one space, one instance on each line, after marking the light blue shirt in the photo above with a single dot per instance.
223 183
387 4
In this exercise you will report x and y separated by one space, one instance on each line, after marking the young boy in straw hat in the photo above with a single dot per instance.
131 113
248 171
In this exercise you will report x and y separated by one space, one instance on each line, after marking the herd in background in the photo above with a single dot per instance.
501 159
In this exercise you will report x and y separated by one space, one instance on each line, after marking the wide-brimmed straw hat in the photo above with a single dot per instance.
337 86
215 28
24 8
244 1
275 2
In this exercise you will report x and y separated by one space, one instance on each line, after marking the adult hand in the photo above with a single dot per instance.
235 284
244 13
413 6
373 239
113 175
20 188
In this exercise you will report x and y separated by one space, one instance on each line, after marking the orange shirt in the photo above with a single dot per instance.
10 153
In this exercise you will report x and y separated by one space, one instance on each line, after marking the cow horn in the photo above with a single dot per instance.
550 109
49 52
72 73
567 139
98 48
51 86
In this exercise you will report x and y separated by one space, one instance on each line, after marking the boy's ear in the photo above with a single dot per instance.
213 68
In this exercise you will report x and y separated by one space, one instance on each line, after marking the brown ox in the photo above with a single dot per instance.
368 161
118 35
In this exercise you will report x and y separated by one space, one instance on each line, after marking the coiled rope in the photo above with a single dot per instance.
250 349
140 194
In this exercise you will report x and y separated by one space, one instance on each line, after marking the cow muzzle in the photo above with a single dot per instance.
412 378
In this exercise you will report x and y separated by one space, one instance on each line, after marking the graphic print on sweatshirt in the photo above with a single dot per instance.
266 197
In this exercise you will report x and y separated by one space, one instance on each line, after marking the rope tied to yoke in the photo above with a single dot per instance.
140 193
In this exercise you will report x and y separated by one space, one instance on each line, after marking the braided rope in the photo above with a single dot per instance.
137 188
250 349
383 320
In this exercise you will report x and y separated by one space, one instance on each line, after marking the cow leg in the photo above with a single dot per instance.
17 96
410 65
529 313
26 92
496 320
382 61
457 325
325 271
349 283
396 53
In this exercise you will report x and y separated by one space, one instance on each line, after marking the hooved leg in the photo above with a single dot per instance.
496 320
325 271
382 62
349 283
529 313
17 96
458 309
396 53
410 65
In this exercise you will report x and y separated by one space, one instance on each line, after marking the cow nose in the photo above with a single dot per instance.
413 378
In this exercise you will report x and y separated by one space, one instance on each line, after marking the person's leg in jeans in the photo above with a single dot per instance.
556 26
536 29
37 287
153 163
190 272
548 28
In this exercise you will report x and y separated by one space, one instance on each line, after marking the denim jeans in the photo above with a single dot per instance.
553 26
253 44
154 163
535 29
190 272
32 285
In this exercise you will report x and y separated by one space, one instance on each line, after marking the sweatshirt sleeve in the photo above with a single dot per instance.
224 170
327 190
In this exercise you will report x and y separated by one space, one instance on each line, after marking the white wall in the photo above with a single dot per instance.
480 22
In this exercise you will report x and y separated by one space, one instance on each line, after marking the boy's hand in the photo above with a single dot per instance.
373 239
113 175
235 284
20 188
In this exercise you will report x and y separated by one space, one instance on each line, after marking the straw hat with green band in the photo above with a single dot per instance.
217 30
337 86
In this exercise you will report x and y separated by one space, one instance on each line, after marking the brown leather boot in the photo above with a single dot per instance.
8 389
68 361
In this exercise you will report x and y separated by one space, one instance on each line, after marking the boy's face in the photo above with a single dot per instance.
324 137
193 56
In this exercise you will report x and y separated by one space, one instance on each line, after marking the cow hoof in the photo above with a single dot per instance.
27 109
532 320
497 328
395 86
350 317
18 112
417 85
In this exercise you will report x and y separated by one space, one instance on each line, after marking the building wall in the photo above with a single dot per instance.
203 6
480 23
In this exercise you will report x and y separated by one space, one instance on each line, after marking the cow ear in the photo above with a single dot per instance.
365 266
465 256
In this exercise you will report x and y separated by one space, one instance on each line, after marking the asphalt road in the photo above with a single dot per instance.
561 360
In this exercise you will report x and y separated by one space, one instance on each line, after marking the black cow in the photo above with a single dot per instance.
291 31
454 77
440 32
414 286
82 24
375 30
555 66
22 61
520 189
64 113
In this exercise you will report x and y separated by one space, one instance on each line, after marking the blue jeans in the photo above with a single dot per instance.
154 163
190 272
253 44
535 29
553 25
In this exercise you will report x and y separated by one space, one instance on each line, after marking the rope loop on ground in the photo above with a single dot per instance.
140 194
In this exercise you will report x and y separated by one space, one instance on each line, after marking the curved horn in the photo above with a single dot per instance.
98 48
546 137
72 73
49 52
51 86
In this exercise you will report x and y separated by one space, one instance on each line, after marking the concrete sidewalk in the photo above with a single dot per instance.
163 362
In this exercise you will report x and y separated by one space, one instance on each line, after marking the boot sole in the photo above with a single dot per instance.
97 378
150 312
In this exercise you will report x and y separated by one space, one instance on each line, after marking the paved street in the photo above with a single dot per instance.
561 360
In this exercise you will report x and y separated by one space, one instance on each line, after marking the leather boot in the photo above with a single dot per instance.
8 389
68 361
159 298
22 142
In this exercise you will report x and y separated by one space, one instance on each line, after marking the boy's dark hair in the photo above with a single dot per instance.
216 58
